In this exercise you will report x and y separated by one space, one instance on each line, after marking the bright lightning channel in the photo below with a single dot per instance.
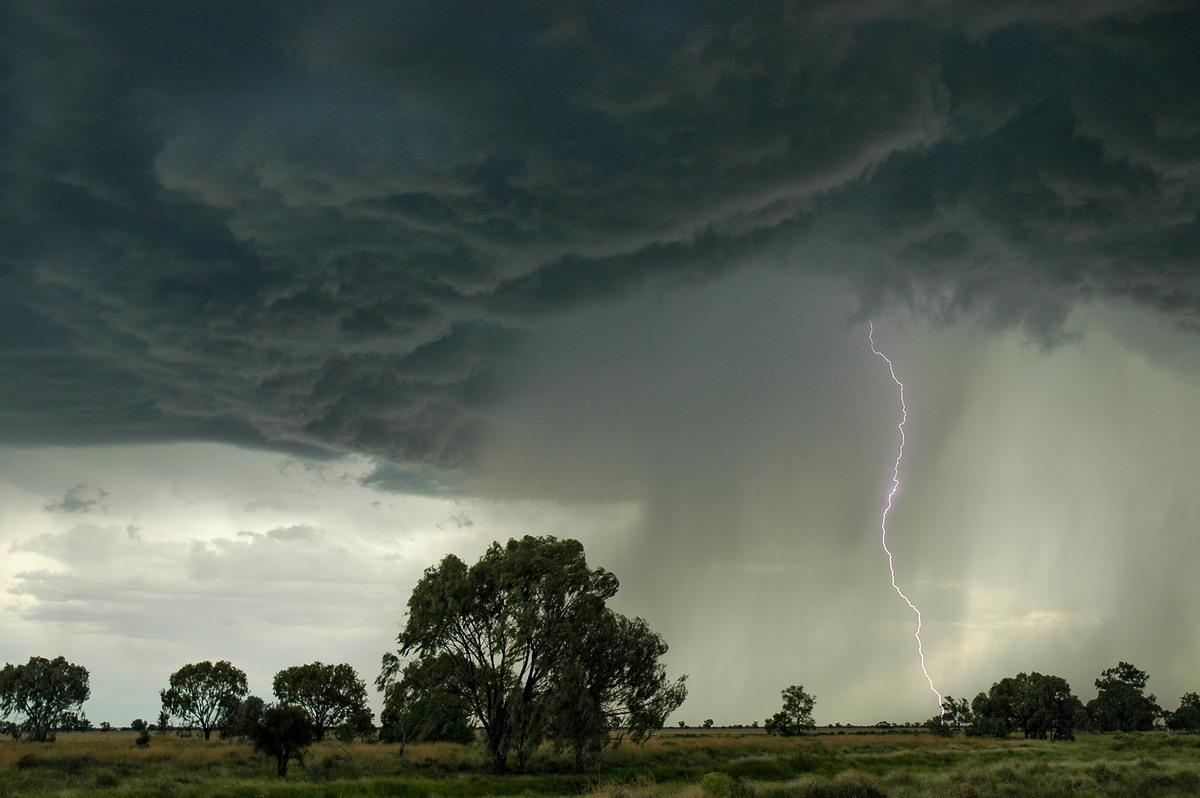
891 499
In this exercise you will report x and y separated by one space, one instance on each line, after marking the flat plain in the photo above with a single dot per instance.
723 763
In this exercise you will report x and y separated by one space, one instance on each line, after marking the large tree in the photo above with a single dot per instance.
1121 703
1040 706
47 693
205 694
331 694
511 633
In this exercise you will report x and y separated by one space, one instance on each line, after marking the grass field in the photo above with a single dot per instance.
688 764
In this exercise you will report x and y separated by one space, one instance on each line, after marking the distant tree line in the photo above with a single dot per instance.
1043 707
521 649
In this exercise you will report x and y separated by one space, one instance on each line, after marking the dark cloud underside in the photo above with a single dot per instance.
325 229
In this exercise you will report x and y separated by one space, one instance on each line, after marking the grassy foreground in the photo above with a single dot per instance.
723 764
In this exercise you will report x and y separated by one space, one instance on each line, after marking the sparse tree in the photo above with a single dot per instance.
75 722
138 725
956 712
939 727
244 718
796 715
495 634
360 724
331 694
203 693
283 732
46 693
164 721
1121 703
1187 716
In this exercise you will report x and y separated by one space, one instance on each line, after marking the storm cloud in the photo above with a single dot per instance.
321 231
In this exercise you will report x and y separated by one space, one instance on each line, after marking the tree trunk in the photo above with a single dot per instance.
497 747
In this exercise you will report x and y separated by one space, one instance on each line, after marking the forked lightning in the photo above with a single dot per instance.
891 498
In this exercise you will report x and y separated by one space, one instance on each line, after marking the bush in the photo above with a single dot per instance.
722 785
938 727
285 733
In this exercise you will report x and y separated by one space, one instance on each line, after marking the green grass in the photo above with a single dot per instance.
720 764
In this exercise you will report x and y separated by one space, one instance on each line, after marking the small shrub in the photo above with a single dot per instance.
847 785
1155 782
1187 780
761 768
143 738
106 779
939 727
1103 774
721 785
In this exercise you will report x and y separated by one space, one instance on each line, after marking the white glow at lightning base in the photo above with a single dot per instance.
887 510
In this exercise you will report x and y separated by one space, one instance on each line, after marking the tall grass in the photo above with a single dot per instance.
691 765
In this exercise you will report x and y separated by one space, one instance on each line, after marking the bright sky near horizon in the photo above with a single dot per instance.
296 299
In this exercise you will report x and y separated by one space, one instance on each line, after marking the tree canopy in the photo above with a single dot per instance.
240 723
524 639
1121 703
46 693
1187 716
416 710
613 680
283 732
331 694
1039 705
204 693
796 715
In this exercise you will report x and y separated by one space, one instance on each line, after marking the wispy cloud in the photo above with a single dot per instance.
83 498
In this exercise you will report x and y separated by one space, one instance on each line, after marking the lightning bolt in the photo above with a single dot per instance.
891 500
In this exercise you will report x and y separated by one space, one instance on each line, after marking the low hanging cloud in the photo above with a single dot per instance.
80 545
289 227
82 498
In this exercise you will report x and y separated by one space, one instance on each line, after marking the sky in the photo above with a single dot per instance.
297 298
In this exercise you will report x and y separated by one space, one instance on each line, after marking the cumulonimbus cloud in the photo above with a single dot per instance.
287 227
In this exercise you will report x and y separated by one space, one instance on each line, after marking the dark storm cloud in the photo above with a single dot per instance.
324 229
